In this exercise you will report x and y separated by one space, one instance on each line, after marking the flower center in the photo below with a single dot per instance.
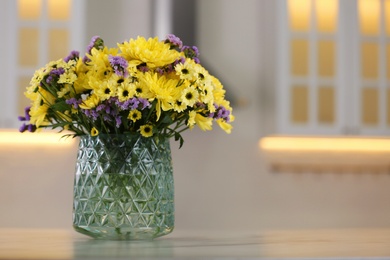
189 96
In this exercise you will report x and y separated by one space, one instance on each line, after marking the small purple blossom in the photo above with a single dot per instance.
143 68
54 73
119 64
144 102
191 52
174 41
100 107
118 121
26 116
74 55
96 42
74 102
23 128
220 112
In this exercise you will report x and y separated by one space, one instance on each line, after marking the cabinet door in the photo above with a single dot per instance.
38 31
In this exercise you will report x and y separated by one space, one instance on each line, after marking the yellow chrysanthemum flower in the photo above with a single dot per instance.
189 96
162 90
134 115
204 123
38 115
94 131
90 102
100 67
186 70
224 125
152 52
146 130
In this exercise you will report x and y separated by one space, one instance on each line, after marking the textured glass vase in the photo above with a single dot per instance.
123 187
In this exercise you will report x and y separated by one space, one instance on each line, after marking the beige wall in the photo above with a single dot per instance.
222 181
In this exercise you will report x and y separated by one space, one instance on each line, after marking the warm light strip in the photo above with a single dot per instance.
324 144
43 138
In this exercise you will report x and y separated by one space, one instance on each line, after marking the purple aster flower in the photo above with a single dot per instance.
181 60
133 104
31 128
160 71
144 102
94 114
57 71
118 121
100 107
74 55
119 64
107 118
27 113
74 102
190 52
108 109
174 41
23 128
96 42
143 68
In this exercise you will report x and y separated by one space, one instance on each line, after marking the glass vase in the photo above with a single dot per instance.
123 187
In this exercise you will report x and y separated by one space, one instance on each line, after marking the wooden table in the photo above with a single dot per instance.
272 244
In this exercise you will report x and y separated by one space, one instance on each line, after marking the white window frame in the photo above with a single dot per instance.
10 71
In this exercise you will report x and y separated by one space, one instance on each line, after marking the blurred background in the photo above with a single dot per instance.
308 81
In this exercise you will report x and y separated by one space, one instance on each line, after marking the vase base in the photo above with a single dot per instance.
107 233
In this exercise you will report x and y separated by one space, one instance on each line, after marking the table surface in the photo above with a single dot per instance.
272 244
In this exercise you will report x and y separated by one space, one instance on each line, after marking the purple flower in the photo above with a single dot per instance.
118 121
96 42
133 104
220 112
100 107
23 128
74 55
174 41
144 102
74 102
31 128
190 52
143 68
119 64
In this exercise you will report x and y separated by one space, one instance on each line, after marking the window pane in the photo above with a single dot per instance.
387 16
58 43
28 47
299 57
370 106
29 9
326 105
369 16
299 13
59 9
299 104
369 60
326 13
326 58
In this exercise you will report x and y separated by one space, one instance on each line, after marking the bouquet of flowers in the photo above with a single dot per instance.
144 86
